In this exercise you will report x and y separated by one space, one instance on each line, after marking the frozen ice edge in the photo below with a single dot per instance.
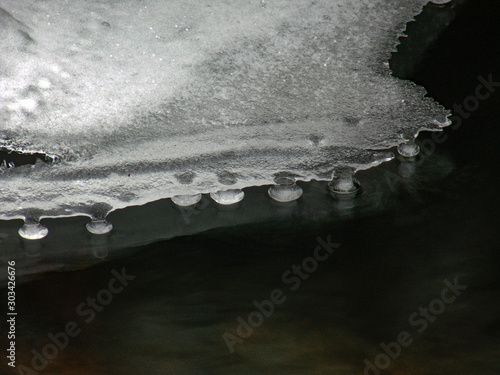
69 178
155 180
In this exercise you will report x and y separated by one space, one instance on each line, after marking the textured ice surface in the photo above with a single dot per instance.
142 100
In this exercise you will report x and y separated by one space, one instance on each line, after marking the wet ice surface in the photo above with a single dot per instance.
142 102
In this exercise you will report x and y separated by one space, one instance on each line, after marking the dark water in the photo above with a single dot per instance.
419 228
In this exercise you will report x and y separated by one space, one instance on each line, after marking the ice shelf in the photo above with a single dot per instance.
142 100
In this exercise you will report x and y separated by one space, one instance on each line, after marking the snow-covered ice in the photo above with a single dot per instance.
143 100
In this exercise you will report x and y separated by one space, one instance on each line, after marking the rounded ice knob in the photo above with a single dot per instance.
440 2
344 183
285 190
226 197
33 231
186 200
409 149
99 226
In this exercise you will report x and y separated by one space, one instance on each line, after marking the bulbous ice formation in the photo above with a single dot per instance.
33 231
186 200
285 190
228 197
152 100
344 183
99 226
409 149
440 2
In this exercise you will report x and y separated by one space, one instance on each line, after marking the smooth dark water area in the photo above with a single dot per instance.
419 227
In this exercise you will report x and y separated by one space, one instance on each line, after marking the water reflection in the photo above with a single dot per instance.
188 292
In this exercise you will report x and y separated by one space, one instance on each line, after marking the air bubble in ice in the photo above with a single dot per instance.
315 140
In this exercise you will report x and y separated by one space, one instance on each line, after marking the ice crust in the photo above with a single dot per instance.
143 100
